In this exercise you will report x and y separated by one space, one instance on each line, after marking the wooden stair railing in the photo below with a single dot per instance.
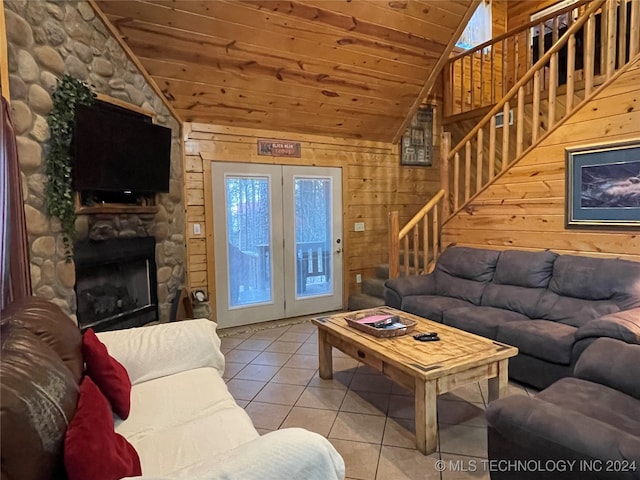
420 244
615 51
467 180
481 76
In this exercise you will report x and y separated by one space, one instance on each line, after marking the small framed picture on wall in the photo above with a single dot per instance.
417 141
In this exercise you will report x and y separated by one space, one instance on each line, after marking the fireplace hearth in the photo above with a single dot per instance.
116 283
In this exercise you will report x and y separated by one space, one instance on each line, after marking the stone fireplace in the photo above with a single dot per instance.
46 40
116 283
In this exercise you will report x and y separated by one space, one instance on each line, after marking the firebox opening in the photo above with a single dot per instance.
116 283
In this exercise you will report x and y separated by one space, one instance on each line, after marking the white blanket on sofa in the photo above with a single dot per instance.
185 424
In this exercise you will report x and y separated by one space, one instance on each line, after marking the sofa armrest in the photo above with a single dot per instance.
292 453
623 325
397 288
612 363
160 350
543 426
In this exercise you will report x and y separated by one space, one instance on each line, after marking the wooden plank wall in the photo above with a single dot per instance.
525 207
374 183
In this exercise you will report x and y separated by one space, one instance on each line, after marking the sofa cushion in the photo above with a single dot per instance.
470 263
549 341
596 401
509 297
165 349
612 279
182 419
109 374
480 320
431 306
525 269
463 272
461 288
572 311
91 447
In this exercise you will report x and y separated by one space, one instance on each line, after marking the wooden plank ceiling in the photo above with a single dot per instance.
353 69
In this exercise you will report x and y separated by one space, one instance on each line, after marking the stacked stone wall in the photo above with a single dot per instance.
47 39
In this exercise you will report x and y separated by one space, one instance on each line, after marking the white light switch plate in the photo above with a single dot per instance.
358 278
358 226
196 229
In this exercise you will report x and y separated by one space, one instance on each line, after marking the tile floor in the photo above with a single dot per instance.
273 374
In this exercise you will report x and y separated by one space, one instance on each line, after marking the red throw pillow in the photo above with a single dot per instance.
107 373
92 449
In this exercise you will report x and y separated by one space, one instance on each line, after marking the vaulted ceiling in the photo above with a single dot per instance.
347 68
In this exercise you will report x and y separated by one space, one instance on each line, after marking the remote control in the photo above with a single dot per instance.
427 337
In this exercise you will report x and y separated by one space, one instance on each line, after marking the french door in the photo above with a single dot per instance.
278 241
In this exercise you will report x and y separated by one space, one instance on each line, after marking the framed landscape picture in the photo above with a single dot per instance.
603 185
417 142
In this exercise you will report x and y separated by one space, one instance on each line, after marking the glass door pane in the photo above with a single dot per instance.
248 243
248 240
312 215
312 197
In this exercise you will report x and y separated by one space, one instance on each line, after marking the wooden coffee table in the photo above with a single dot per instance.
427 368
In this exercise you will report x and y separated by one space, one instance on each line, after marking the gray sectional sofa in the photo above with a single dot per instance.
550 306
586 427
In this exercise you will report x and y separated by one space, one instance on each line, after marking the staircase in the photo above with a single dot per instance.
539 104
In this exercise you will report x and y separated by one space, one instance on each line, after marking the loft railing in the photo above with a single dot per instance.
419 250
481 76
486 153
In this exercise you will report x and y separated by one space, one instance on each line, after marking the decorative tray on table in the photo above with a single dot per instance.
380 323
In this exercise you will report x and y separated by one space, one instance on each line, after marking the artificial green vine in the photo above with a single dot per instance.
59 193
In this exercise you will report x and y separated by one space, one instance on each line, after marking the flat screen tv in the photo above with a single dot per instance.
117 150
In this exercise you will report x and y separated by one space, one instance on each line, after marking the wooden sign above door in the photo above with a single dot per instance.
279 148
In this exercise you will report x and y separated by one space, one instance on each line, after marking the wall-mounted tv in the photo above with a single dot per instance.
118 150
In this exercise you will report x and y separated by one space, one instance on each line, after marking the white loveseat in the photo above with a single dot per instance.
185 424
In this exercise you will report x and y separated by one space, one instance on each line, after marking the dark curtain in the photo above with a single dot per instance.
15 281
